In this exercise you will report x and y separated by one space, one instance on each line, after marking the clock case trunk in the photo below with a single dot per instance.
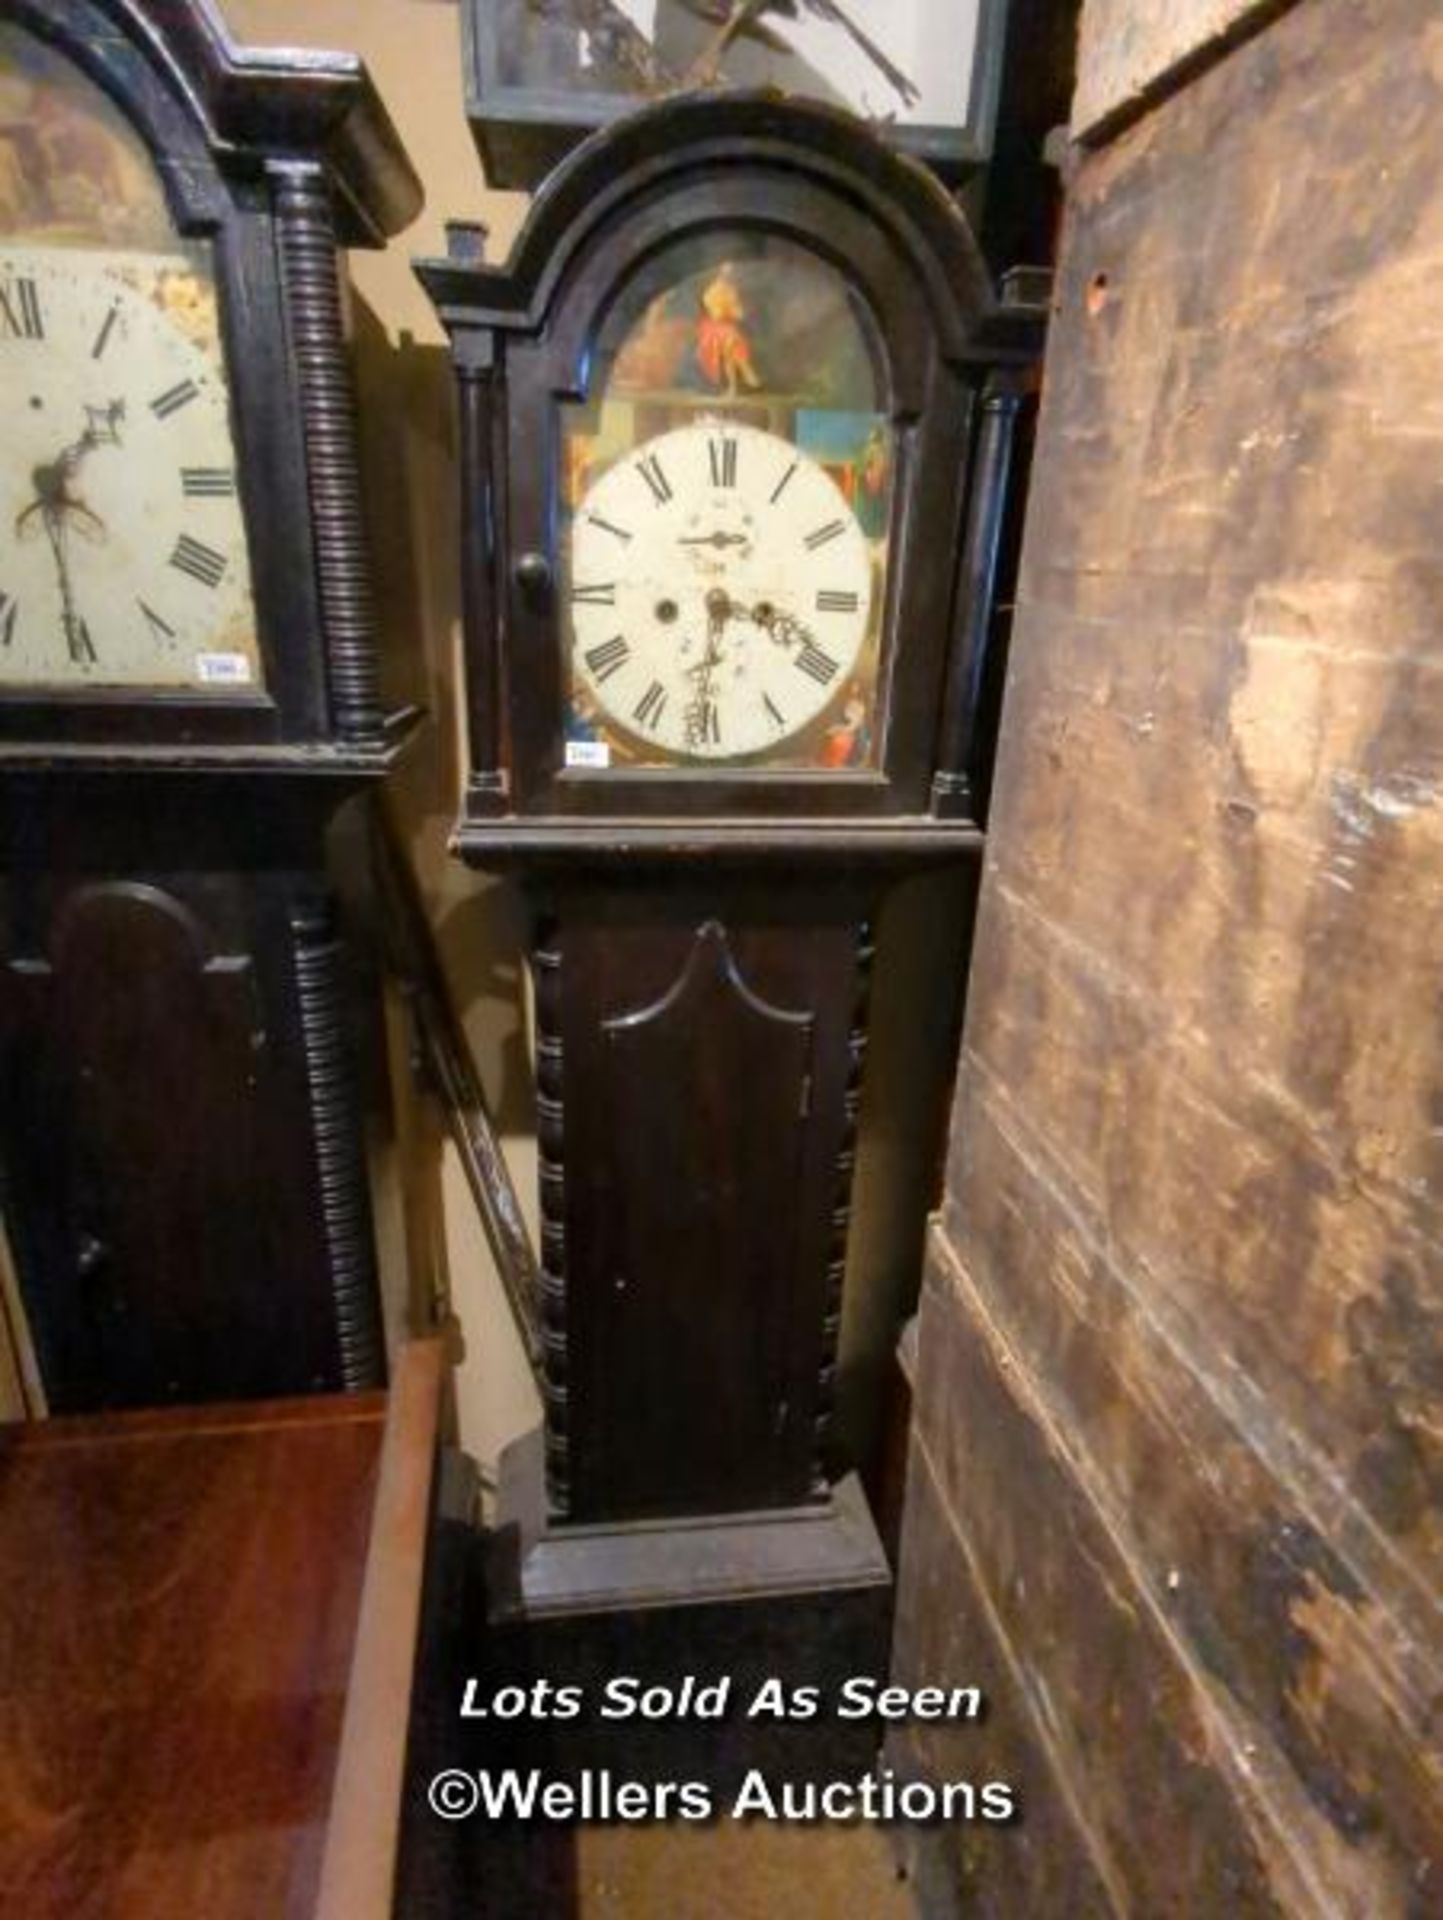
182 1154
184 1031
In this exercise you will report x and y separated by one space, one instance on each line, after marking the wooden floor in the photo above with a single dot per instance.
721 1870
177 1619
730 1872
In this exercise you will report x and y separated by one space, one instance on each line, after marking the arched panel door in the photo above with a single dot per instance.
175 1140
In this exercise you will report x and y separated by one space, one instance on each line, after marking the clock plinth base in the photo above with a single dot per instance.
794 1599
544 1571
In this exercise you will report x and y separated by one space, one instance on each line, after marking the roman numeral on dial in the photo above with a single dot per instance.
703 725
786 480
828 602
817 664
609 658
207 483
155 623
619 533
77 638
9 613
601 596
723 456
174 398
833 530
651 472
20 311
107 327
651 706
774 711
201 562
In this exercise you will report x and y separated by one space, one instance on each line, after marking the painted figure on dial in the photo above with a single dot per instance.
723 350
729 485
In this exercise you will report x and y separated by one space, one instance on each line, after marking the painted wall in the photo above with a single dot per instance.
1176 1494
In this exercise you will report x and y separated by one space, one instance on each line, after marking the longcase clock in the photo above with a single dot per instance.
724 486
189 688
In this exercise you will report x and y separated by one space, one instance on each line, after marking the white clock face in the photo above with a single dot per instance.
720 592
122 547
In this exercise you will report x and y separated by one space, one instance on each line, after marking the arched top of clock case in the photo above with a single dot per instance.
667 266
203 105
790 167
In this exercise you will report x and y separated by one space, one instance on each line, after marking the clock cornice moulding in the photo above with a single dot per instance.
708 136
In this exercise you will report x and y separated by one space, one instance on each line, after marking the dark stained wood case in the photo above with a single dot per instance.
180 1134
703 932
710 1052
180 1144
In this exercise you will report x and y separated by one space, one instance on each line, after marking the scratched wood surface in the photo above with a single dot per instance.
1129 51
176 1630
1181 1391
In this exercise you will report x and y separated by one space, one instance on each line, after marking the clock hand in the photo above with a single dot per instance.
60 511
77 635
52 479
702 704
718 540
720 607
778 625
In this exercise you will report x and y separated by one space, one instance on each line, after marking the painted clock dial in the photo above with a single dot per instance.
721 591
122 547
725 516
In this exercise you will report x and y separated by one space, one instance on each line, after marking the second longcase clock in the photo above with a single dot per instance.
189 689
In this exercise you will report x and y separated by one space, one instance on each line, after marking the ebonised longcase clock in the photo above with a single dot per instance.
724 484
188 690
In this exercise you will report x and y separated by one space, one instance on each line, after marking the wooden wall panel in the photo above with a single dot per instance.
1129 49
1182 1394
1040 1863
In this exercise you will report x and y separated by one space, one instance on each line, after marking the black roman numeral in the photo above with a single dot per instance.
207 483
723 453
77 638
609 658
20 311
773 709
9 612
651 472
107 327
819 665
174 398
651 706
831 531
600 596
784 483
201 562
155 623
607 526
828 602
